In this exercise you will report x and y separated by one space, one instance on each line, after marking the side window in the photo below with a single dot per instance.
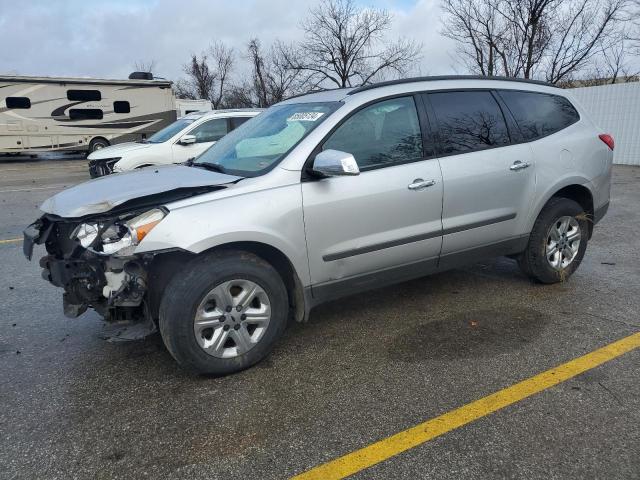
121 106
381 134
84 95
468 121
18 102
237 121
210 131
539 114
85 114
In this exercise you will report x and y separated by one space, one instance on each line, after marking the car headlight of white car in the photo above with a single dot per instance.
117 237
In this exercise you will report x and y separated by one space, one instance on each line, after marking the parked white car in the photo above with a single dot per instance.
185 138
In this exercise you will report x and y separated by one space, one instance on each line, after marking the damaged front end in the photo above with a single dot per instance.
92 259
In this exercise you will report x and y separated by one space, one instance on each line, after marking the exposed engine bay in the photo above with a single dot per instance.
93 261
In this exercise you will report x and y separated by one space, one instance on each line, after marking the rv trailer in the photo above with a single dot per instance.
75 114
186 106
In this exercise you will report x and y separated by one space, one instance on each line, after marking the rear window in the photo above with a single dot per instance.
84 95
539 114
18 102
85 114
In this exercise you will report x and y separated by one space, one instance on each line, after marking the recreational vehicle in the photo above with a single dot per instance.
75 114
186 106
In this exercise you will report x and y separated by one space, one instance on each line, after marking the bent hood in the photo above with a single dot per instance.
117 150
160 184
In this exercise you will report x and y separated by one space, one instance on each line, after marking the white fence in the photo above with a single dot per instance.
616 109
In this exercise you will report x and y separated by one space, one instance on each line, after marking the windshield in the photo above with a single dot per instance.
259 144
169 131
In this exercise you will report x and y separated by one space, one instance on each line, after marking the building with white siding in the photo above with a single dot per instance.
616 109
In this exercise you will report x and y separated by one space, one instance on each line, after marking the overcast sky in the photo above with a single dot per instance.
93 38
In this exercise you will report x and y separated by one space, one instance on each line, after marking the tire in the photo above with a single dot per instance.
196 288
541 261
97 144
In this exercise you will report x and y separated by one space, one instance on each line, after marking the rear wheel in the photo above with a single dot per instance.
557 242
223 312
98 144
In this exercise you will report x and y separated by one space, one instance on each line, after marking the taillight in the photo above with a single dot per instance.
608 139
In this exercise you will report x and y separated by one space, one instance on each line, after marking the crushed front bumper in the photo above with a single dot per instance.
102 167
113 286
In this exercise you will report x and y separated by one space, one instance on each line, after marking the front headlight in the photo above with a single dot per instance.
121 236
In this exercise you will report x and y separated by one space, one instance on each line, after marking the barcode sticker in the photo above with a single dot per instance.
305 117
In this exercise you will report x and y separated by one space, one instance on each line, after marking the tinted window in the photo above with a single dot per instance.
18 102
382 134
121 107
85 114
539 114
210 131
84 95
237 121
169 131
468 121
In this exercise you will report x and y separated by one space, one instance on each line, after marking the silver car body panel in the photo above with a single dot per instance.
103 194
265 210
372 221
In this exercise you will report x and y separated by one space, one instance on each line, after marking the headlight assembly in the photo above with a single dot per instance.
120 236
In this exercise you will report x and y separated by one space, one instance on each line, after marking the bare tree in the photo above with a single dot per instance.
613 64
272 78
208 75
144 65
344 44
548 39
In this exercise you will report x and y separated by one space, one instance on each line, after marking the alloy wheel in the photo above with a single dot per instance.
563 242
232 318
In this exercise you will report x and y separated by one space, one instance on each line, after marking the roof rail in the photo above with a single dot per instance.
317 90
400 81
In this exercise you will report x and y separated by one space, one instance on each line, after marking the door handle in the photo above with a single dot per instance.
419 184
518 165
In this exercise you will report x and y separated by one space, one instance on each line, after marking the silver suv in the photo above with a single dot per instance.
325 195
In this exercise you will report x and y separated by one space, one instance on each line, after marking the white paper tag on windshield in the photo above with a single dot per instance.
305 117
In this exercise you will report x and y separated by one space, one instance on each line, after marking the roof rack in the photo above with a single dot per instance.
400 81
317 90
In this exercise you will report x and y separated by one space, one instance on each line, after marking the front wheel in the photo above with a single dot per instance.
223 313
557 242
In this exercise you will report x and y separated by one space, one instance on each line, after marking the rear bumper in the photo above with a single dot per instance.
600 213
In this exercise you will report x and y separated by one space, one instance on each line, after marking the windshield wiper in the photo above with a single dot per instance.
214 167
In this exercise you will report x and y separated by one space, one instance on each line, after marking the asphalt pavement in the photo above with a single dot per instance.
363 368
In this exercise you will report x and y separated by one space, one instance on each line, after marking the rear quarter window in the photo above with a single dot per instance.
539 114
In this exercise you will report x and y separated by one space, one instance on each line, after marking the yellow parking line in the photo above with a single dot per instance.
11 240
384 449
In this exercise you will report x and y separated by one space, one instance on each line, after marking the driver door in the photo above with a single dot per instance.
206 133
383 225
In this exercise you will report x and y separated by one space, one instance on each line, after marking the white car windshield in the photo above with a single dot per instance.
169 131
259 144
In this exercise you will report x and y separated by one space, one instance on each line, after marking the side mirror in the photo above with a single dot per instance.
187 140
334 163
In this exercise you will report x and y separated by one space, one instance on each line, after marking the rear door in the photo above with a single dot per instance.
237 121
206 133
489 178
385 221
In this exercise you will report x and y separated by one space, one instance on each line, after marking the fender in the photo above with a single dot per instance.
549 191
